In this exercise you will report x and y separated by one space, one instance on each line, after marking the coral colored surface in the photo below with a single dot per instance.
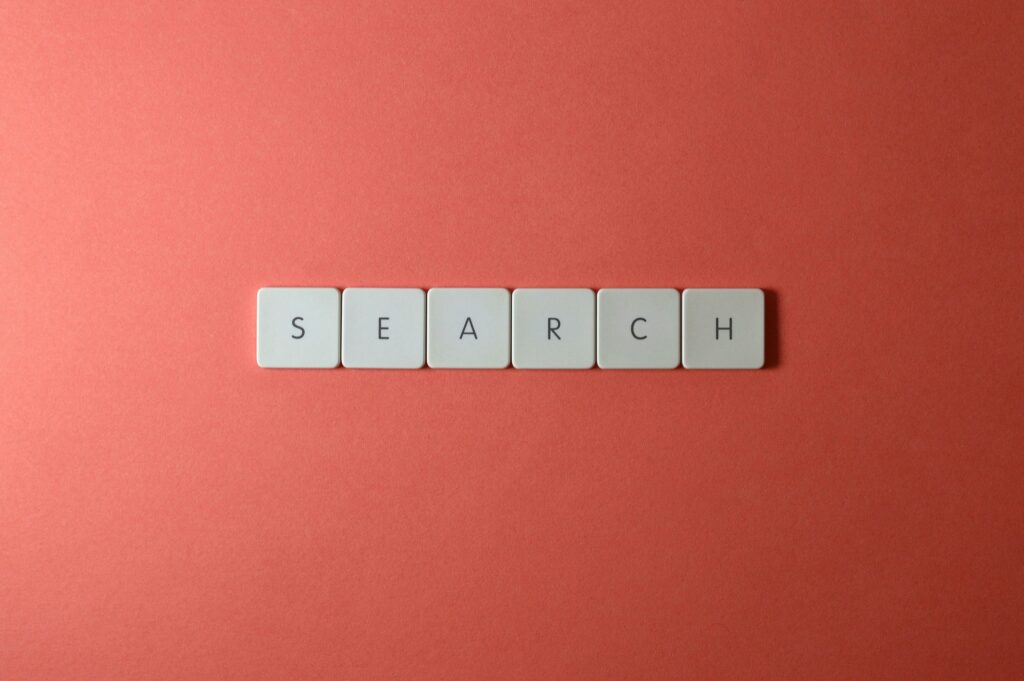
170 511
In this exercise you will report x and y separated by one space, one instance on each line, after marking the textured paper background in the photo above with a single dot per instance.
168 510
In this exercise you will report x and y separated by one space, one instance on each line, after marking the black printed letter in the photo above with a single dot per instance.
553 328
632 328
302 331
381 328
723 328
468 325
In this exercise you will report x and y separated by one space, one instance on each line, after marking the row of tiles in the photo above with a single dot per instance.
483 328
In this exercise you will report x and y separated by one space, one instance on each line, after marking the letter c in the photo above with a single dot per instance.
632 328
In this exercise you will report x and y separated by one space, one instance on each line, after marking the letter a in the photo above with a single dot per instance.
468 325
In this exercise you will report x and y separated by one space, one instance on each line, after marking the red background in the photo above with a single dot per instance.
169 510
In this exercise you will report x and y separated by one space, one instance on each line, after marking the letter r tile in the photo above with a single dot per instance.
553 328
